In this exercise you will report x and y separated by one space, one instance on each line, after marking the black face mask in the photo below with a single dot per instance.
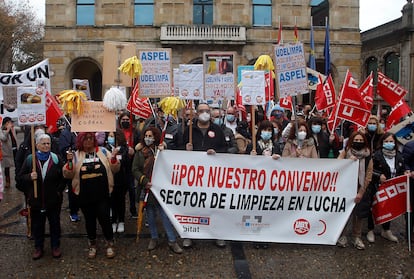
125 124
358 145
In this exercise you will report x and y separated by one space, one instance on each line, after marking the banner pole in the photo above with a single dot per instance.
33 160
408 214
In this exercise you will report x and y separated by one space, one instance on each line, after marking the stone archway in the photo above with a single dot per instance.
87 68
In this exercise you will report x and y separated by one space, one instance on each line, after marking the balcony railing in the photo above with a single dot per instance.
226 34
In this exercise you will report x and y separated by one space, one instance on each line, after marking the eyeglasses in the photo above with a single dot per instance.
45 143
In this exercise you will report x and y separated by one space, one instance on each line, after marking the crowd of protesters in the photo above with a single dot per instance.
99 169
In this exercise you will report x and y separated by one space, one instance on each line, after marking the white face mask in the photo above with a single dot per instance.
204 117
301 135
149 141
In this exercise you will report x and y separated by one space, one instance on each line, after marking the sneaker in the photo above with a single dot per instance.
37 254
388 235
358 243
56 253
121 227
187 243
114 227
342 242
220 243
74 218
175 247
92 249
152 244
110 252
371 236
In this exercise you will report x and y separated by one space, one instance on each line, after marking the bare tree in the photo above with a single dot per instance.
20 38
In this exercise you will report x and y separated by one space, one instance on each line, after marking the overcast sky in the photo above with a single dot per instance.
372 12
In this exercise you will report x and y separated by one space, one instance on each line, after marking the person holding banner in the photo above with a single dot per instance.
388 163
357 148
265 144
300 144
50 186
142 167
91 169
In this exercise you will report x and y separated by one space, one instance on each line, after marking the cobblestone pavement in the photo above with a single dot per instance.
204 260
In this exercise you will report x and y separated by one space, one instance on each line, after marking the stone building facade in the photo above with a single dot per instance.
249 28
389 48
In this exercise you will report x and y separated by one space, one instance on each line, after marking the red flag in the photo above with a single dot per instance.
367 91
295 32
389 90
139 106
390 201
270 86
279 35
398 111
351 105
325 96
286 102
53 112
333 122
239 104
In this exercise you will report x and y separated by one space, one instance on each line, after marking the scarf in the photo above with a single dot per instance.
361 155
149 155
389 153
265 145
42 156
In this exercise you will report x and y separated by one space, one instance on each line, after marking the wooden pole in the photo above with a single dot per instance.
253 112
33 160
190 127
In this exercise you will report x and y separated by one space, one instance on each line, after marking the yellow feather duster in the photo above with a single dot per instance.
71 101
171 105
132 66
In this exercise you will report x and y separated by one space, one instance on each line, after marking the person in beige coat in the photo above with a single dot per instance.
91 169
300 144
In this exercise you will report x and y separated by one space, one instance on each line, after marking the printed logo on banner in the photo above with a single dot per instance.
252 224
194 220
301 226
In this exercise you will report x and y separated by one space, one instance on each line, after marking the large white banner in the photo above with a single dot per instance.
255 198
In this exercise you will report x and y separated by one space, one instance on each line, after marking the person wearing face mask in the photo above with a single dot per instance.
206 136
324 142
142 167
230 119
278 115
243 137
231 143
300 144
388 163
265 144
116 140
373 132
357 149
278 140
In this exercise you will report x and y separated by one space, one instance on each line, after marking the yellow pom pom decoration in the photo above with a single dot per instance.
132 67
71 101
171 105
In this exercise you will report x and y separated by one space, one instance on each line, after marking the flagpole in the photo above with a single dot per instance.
340 100
408 213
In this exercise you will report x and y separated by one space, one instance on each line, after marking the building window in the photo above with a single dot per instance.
143 12
262 12
85 12
392 67
319 11
203 12
371 65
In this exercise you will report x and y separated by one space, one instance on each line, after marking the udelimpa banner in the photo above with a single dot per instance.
255 198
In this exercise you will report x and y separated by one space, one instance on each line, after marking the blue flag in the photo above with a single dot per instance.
326 51
312 62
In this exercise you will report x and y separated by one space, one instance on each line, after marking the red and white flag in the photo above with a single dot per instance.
390 200
325 96
351 105
286 103
138 106
53 112
389 90
239 104
367 91
398 111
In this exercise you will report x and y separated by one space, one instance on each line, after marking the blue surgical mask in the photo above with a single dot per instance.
276 131
316 129
266 135
218 121
372 127
111 140
382 125
388 145
230 117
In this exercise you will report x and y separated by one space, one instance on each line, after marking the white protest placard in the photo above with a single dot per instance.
253 87
83 86
255 198
95 117
191 81
156 77
219 77
31 105
291 69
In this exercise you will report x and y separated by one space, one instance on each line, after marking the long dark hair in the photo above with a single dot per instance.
351 139
155 132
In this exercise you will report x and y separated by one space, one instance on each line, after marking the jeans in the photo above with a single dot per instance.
132 195
151 210
118 203
38 226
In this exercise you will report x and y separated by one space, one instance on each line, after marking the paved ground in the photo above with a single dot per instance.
238 260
